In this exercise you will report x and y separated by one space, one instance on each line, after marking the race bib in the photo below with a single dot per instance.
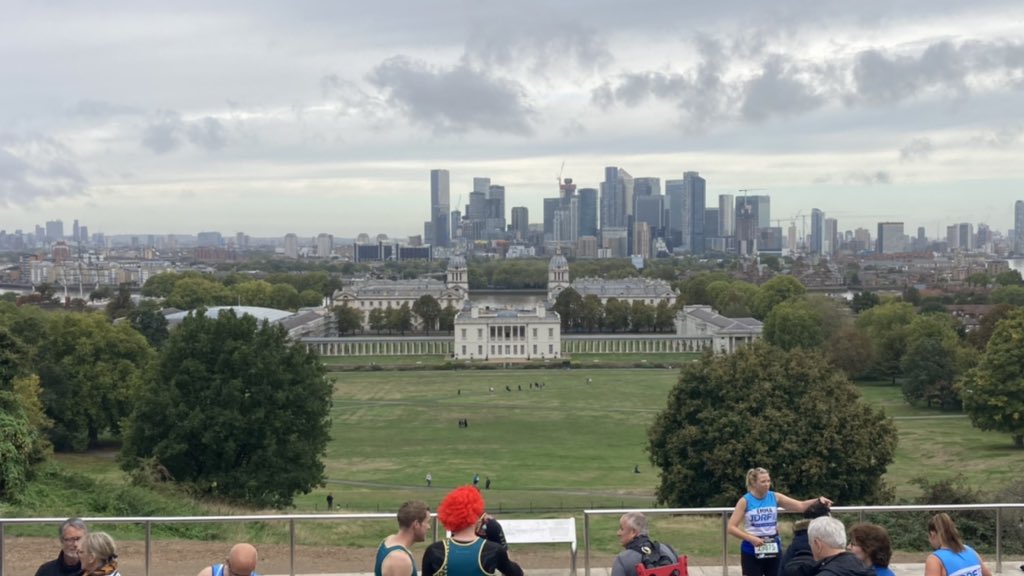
769 548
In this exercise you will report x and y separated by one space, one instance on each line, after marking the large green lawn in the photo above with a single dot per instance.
561 448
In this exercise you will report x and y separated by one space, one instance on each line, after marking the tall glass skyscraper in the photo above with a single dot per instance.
440 194
1018 227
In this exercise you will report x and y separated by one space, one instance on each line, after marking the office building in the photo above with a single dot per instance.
291 245
54 230
440 209
890 238
818 232
726 215
694 203
830 238
520 223
588 202
1018 227
616 198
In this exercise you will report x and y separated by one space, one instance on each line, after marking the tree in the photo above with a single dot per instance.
235 409
148 320
794 324
862 301
591 313
253 293
399 319
349 319
22 422
849 349
886 326
1009 278
664 317
196 291
978 279
980 336
446 323
616 314
46 291
378 319
428 309
120 303
101 293
641 316
787 411
1012 295
285 297
90 372
732 299
777 290
930 364
993 392
568 304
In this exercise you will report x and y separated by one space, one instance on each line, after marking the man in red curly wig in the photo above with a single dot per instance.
465 553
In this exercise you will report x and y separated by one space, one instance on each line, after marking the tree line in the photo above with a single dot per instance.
227 407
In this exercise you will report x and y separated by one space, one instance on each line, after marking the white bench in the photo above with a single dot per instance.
546 531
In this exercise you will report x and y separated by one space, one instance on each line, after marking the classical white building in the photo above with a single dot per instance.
726 334
367 295
505 334
647 290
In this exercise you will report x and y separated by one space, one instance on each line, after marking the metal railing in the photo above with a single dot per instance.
147 523
725 513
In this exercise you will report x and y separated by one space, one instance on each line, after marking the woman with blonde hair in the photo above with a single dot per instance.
758 512
98 555
951 557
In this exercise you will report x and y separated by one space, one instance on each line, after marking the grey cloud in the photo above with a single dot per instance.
541 46
1003 137
101 109
778 91
167 131
207 133
163 134
35 168
574 129
700 94
455 99
916 149
868 178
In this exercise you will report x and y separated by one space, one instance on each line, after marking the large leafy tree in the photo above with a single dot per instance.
887 327
446 323
934 360
569 306
429 311
349 319
591 313
616 314
993 392
794 324
235 409
22 421
790 412
775 291
90 371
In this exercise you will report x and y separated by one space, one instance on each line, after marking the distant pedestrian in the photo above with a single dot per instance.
476 479
460 392
487 483
636 469
520 387
507 388
330 501
492 389
429 479
589 380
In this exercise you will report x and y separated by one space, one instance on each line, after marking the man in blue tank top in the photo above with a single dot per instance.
393 555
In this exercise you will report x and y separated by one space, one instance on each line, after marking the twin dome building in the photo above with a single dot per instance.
534 333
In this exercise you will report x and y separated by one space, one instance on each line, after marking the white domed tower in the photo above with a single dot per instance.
458 275
558 276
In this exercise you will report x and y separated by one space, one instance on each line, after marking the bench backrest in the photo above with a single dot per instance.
544 531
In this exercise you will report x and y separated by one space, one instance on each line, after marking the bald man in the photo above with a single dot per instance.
241 562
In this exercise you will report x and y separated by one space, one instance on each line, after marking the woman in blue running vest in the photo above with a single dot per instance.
951 557
755 522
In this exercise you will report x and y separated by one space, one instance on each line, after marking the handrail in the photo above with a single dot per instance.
725 512
291 519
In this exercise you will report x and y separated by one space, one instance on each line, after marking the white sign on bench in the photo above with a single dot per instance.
542 531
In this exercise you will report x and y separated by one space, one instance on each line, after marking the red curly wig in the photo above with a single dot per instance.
460 508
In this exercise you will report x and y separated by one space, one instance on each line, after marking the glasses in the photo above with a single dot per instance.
72 540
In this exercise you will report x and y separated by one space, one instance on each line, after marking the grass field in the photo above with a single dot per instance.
559 449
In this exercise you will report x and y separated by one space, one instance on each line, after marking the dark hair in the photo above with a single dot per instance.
942 525
817 509
411 512
874 540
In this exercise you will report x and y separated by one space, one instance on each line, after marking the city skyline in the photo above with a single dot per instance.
316 117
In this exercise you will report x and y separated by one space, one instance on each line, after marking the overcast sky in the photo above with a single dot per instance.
327 116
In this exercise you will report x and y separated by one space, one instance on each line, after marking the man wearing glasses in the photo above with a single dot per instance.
241 562
67 563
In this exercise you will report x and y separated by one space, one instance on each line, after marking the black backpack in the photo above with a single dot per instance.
654 562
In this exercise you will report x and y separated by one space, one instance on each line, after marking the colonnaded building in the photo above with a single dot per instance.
531 333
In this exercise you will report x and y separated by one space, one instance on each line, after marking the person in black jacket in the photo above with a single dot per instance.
798 559
67 563
827 536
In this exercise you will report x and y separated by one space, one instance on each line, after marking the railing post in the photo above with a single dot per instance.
291 547
2 538
725 545
586 544
149 546
999 540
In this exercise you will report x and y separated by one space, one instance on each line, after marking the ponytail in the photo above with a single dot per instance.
942 526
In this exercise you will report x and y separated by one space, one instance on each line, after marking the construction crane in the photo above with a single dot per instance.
558 176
